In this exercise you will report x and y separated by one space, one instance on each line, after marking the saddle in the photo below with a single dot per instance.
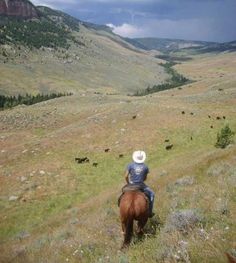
133 187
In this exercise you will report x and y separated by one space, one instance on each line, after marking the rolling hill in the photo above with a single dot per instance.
174 45
60 53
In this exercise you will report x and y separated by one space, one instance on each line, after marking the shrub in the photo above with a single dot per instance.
224 137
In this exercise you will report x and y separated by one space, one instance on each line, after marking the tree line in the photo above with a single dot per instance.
28 99
35 34
175 81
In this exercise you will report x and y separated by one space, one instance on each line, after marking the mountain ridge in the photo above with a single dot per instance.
175 45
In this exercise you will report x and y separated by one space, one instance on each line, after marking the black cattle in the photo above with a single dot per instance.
95 164
211 126
169 147
183 112
82 160
224 117
134 117
107 150
121 155
218 118
209 116
167 140
192 113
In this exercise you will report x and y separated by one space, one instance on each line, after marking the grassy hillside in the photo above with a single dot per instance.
71 56
56 210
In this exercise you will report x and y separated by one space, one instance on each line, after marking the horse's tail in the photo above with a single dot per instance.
128 232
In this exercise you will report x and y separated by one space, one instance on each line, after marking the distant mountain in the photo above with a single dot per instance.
165 44
173 45
18 8
215 48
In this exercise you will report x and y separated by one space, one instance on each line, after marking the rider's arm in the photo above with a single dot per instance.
127 176
145 177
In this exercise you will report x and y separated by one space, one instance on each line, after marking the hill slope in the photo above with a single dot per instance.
71 56
56 210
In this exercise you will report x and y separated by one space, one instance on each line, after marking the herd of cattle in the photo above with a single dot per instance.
81 160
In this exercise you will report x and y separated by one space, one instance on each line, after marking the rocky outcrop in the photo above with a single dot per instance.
18 8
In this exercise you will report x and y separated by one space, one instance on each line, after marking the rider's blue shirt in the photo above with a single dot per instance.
137 172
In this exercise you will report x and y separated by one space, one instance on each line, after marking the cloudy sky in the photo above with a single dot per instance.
209 20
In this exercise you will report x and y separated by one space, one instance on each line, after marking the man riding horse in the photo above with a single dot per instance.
136 174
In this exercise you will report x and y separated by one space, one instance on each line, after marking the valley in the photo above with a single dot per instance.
54 209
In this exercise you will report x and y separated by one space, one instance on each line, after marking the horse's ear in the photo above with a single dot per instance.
231 258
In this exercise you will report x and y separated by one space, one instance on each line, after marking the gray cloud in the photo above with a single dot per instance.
212 20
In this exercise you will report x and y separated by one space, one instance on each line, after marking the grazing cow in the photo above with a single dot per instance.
95 164
134 117
107 150
220 89
183 112
82 160
167 140
218 118
211 126
121 155
224 117
169 147
209 116
191 138
192 113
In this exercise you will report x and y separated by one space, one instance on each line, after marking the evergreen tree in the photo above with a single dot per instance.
224 137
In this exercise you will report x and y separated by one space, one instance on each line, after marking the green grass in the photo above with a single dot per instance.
84 182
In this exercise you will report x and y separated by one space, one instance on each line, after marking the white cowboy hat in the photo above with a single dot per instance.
139 156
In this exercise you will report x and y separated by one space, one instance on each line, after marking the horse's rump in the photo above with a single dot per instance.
134 204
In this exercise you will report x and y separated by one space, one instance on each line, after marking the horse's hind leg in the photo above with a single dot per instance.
141 224
123 227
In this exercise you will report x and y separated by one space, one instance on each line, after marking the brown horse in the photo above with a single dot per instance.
231 258
133 206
